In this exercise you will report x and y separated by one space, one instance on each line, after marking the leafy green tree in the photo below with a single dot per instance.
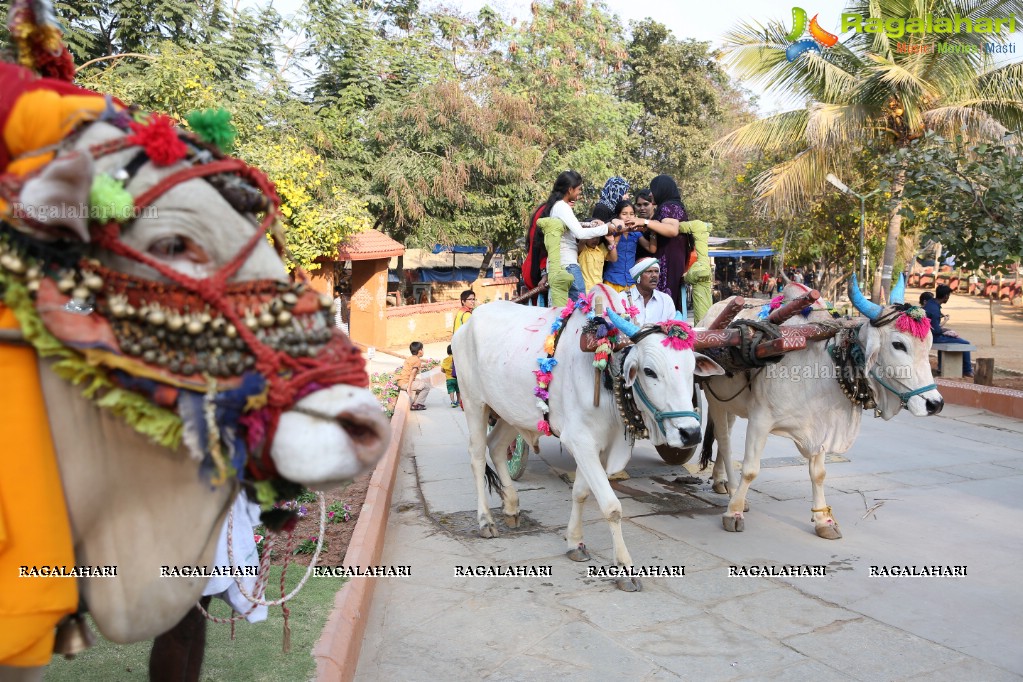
865 93
967 197
687 102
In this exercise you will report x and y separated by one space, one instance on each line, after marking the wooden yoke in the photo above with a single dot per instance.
733 308
794 306
794 337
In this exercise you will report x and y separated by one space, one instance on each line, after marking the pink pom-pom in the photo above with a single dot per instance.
543 427
918 328
776 302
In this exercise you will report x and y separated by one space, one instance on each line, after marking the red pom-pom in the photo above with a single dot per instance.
60 66
160 140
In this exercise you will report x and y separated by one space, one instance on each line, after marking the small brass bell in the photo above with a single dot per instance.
65 284
93 282
73 636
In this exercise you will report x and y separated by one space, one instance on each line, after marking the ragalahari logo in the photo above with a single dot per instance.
818 36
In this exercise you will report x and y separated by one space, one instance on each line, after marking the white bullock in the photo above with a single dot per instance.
140 506
802 399
496 354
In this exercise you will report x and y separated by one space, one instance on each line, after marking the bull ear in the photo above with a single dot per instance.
631 369
57 200
871 344
705 367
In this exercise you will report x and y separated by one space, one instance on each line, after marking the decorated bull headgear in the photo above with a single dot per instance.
908 318
224 354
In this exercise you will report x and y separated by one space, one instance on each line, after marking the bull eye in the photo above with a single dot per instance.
169 247
899 345
650 373
176 247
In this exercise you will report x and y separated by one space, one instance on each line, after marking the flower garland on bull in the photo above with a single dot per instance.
206 362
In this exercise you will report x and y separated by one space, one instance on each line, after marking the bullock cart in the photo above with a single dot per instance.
531 371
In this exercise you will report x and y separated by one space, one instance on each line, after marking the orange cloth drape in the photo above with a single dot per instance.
34 525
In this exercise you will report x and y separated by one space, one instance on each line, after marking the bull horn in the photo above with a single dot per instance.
866 307
898 292
617 320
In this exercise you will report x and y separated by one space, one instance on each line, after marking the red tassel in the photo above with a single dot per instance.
160 140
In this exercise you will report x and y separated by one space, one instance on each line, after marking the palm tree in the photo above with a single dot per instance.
870 92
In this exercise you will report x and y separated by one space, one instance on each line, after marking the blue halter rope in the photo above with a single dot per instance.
659 416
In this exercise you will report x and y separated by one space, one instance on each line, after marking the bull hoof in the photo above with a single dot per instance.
488 530
734 523
720 487
628 584
511 521
829 531
579 553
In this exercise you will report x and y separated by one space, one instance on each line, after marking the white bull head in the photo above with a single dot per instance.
896 343
660 369
332 434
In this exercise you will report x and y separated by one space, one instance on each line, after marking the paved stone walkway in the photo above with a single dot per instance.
950 491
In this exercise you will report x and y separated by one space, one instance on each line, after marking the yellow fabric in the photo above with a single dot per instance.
42 118
591 262
620 288
699 276
446 366
461 317
34 526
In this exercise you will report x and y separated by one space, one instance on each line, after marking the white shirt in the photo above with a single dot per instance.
659 308
575 232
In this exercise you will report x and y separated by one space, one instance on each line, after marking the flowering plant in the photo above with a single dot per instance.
338 512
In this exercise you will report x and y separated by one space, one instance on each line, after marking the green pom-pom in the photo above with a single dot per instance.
214 126
109 200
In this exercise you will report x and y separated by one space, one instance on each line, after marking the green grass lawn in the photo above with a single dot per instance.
255 654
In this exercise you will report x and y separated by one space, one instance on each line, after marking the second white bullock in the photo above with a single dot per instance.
496 354
816 397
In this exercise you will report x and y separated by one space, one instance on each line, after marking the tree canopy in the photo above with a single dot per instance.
431 124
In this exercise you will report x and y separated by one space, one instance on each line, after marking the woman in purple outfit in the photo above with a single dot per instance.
673 249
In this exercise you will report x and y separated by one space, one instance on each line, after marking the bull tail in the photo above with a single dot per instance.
494 482
708 444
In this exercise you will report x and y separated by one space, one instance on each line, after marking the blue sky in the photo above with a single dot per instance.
704 20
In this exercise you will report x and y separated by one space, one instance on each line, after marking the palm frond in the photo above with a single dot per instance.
784 189
757 53
967 119
837 125
782 131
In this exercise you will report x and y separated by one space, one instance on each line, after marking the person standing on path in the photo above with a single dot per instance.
468 299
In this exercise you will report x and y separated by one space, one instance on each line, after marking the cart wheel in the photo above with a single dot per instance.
518 455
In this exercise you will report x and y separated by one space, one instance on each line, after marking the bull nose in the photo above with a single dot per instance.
934 406
690 436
